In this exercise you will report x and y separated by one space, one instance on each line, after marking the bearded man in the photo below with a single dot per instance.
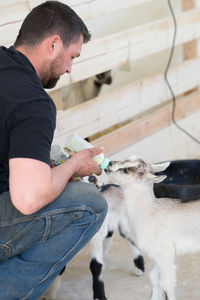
45 218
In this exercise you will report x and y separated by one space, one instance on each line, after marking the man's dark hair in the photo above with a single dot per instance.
48 18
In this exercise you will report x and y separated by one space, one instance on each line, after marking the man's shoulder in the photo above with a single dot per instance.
17 71
19 83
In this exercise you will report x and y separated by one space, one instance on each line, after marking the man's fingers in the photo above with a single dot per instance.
96 150
99 171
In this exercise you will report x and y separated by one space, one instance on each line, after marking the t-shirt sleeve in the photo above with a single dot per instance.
31 131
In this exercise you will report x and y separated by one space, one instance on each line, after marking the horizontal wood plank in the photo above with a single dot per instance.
13 13
147 125
96 8
16 10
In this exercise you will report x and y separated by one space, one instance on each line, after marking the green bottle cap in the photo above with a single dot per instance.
104 163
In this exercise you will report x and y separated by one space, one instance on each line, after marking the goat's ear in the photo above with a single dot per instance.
159 178
160 167
154 178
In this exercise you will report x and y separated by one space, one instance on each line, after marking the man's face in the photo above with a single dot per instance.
62 63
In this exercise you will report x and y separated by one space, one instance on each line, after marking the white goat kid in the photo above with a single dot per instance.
163 227
116 221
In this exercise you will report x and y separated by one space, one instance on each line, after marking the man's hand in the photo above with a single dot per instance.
84 163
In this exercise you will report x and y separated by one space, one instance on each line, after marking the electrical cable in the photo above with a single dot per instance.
166 78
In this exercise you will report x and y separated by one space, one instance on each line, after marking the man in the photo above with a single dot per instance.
44 218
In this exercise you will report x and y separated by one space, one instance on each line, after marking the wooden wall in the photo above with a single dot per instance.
143 105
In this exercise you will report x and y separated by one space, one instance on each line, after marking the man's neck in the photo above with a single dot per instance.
34 56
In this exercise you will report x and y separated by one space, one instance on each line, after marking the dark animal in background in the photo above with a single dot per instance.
84 90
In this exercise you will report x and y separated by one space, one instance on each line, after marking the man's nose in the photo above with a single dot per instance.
69 68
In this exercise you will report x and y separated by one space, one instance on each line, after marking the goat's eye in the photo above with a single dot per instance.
126 171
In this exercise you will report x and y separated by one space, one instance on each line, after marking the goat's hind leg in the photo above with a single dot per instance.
107 242
138 260
138 266
96 266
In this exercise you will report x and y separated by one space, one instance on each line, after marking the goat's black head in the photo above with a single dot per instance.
103 78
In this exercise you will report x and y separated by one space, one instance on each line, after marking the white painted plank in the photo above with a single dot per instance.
9 33
16 10
97 8
90 9
10 2
126 102
13 13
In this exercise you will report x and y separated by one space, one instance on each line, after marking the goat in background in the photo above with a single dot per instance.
161 227
84 90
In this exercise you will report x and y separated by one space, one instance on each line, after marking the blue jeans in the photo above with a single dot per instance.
35 248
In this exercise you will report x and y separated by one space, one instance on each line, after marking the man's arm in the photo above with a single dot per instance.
33 184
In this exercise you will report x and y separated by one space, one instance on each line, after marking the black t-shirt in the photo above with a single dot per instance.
27 113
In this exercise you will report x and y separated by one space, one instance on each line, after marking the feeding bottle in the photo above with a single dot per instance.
76 143
58 154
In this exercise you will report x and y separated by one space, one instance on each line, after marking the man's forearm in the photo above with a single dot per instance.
33 184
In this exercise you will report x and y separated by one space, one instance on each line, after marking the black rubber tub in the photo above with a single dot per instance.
183 180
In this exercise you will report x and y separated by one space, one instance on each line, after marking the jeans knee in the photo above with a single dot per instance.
104 208
82 194
97 201
78 197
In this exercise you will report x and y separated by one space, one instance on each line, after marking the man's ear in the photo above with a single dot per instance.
54 44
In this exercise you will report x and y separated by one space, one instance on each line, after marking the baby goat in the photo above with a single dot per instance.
161 227
116 220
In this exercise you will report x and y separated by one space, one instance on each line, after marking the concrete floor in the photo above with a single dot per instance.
120 284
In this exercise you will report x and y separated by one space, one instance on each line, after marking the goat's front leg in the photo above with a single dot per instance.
163 278
96 266
154 275
167 271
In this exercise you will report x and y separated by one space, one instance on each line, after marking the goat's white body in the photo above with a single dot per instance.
162 228
158 222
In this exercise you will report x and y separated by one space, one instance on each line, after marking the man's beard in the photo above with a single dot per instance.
50 83
51 77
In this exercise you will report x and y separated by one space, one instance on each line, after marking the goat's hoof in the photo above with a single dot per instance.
137 272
